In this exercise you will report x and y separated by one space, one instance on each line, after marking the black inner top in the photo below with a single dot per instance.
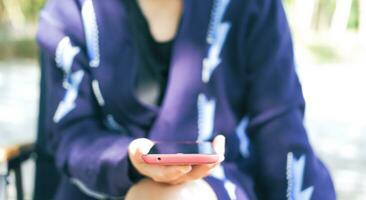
154 58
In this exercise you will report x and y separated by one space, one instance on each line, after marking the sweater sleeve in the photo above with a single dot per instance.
286 166
94 157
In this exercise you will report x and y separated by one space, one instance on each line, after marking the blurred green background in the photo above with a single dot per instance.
330 48
18 22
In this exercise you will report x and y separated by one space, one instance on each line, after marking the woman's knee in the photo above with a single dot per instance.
147 189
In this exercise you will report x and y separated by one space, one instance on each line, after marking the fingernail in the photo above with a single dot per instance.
186 169
144 149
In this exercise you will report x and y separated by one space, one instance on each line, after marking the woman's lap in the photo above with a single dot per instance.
147 189
227 183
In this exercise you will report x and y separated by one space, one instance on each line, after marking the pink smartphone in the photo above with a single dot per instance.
183 153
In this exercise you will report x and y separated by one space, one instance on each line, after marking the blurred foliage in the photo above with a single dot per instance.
325 8
21 48
354 16
29 8
323 53
324 12
18 20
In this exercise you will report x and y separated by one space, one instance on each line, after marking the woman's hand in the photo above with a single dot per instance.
201 171
158 173
172 174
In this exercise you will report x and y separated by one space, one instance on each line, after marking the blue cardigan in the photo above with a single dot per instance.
232 72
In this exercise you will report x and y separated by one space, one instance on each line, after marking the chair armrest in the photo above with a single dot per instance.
11 159
14 152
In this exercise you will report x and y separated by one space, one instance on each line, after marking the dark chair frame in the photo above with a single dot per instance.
13 157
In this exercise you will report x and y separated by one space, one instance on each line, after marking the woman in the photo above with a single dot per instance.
124 73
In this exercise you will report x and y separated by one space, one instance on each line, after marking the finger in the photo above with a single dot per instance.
197 172
170 173
139 147
219 146
201 171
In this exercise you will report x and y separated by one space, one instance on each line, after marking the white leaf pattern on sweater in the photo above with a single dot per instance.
206 117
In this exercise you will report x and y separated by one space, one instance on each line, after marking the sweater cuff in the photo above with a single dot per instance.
133 174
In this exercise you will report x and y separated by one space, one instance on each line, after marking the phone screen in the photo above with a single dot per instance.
184 148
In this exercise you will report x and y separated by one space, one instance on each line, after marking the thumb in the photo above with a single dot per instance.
139 147
219 146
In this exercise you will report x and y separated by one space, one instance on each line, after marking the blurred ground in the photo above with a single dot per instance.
332 74
336 111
